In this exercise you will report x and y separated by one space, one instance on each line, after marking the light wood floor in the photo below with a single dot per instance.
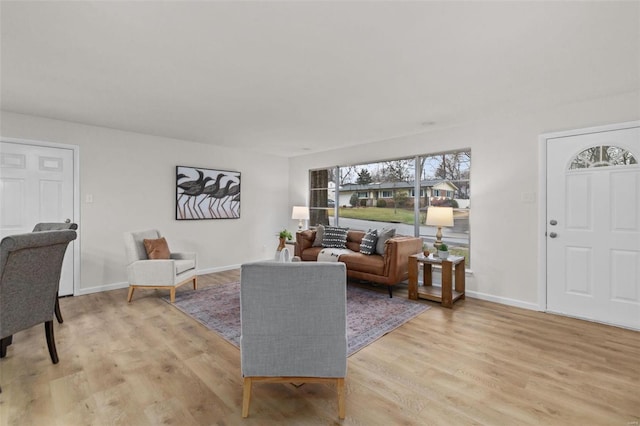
146 363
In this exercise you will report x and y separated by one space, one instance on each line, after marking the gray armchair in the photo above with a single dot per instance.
30 266
55 226
179 269
293 325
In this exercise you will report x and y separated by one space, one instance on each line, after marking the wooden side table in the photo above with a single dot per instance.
446 295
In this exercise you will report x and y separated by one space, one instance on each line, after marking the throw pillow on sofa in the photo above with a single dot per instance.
334 237
383 236
368 244
319 236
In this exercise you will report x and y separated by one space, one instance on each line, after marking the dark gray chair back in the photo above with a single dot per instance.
54 226
30 267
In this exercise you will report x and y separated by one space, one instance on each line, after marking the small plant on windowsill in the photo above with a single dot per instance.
425 249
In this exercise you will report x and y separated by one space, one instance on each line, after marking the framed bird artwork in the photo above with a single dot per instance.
207 193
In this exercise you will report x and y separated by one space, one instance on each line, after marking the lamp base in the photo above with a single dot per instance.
438 238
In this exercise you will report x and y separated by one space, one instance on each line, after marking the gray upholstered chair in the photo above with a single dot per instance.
179 269
30 267
55 226
293 325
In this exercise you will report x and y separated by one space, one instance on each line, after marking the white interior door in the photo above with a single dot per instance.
36 185
593 226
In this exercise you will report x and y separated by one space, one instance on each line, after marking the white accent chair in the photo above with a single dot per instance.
293 325
170 274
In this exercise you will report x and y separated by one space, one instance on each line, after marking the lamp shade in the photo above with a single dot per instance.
440 216
300 212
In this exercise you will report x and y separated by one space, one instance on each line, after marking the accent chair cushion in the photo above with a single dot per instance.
334 237
157 248
383 236
184 265
368 244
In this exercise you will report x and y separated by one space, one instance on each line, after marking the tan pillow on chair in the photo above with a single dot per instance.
157 249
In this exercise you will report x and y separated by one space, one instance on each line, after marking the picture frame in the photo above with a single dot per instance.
203 194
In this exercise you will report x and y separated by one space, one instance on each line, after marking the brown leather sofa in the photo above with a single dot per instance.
389 269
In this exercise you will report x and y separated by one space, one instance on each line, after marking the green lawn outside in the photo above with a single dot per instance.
379 214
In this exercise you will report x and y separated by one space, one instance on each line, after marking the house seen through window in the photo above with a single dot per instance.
383 194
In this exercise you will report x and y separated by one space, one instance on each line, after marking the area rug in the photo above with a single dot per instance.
370 315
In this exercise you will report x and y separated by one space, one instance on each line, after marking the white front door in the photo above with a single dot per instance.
593 226
36 185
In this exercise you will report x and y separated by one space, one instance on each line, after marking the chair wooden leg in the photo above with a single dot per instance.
130 295
57 311
195 282
390 288
341 398
173 295
51 343
4 343
246 397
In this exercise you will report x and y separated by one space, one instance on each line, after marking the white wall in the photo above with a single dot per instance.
504 167
132 180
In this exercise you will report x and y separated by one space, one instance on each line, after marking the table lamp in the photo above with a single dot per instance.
301 213
439 216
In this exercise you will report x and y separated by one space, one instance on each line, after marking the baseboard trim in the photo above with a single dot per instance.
101 288
474 294
117 286
503 300
218 269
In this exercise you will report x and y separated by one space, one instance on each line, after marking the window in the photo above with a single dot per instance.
602 156
321 196
443 179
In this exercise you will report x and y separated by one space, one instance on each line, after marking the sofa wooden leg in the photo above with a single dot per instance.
390 288
130 295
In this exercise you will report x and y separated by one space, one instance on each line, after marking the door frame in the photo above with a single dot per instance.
76 195
542 196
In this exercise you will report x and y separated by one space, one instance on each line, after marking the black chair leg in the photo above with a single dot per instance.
51 343
57 311
390 288
4 343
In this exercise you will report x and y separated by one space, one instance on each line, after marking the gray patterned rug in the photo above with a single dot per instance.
370 315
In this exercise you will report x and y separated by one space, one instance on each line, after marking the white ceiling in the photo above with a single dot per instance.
298 77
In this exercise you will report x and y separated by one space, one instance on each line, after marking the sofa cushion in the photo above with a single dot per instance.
319 236
383 236
368 245
311 253
157 248
371 264
354 238
334 237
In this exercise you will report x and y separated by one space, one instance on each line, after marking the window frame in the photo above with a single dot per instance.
426 192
